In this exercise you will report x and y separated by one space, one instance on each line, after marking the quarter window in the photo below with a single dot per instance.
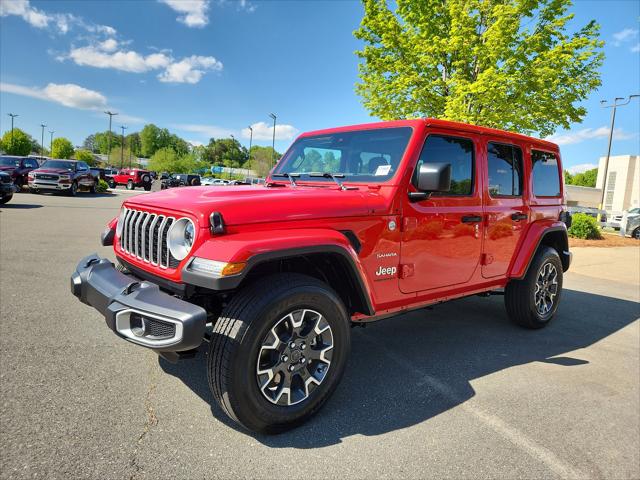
456 151
505 170
545 173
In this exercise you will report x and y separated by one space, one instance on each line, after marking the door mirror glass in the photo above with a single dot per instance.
434 177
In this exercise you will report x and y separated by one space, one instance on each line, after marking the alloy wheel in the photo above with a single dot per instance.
546 288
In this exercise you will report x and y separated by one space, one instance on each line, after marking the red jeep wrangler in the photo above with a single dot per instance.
354 224
132 178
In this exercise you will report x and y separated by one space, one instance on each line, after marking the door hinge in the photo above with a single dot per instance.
486 259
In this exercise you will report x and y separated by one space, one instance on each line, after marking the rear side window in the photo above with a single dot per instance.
505 170
545 173
453 150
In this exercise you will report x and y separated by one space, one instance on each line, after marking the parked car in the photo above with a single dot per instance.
399 216
132 178
181 180
18 168
7 188
214 181
62 175
630 223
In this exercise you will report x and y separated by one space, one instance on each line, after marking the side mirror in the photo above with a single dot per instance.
432 177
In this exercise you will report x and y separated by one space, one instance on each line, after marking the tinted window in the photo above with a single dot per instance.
59 164
82 166
505 170
10 161
458 152
546 176
29 163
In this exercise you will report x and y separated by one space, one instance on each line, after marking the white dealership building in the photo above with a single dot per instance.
622 190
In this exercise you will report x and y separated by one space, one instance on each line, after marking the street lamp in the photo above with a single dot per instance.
122 148
250 142
51 141
111 114
12 115
42 141
613 106
273 143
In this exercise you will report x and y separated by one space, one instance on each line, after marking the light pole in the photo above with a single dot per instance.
42 141
230 161
613 106
273 143
250 142
51 140
122 148
111 114
12 115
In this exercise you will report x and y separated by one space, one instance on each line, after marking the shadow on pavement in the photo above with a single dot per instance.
386 386
19 206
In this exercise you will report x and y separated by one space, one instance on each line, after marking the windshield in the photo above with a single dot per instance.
9 162
59 164
369 156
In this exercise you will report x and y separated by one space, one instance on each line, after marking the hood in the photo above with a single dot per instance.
56 171
241 205
6 168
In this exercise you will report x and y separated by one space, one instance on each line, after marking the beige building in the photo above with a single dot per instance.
623 182
582 196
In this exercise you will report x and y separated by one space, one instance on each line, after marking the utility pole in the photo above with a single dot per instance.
111 114
230 161
613 106
12 115
51 141
122 148
42 141
273 143
250 142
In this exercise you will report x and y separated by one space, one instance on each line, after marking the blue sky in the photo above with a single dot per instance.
211 68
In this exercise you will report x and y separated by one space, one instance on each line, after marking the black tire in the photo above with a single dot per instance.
112 184
520 295
238 337
6 198
93 187
19 184
130 185
147 187
636 233
73 189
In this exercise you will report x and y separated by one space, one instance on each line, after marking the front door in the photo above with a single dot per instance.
442 235
507 212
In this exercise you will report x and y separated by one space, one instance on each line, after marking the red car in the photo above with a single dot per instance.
67 176
132 178
353 225
18 168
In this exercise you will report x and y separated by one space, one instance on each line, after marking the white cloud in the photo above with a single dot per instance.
581 168
264 131
624 35
189 70
571 138
209 131
109 45
247 6
193 13
636 48
68 94
195 143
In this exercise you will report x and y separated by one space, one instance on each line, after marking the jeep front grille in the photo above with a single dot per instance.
144 236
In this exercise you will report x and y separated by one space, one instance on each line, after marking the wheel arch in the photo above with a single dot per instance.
543 234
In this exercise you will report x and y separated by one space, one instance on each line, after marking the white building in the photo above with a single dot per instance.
623 182
582 196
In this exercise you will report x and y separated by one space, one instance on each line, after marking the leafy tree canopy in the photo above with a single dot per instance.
61 148
586 179
21 143
261 161
84 156
167 160
507 64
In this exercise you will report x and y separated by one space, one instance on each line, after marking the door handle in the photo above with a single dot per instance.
471 219
519 216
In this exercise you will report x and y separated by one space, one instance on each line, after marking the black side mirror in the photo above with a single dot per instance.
432 177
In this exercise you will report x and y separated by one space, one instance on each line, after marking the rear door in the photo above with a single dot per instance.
507 212
442 235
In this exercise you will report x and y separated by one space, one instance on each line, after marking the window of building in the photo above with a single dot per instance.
545 173
456 151
505 170
611 186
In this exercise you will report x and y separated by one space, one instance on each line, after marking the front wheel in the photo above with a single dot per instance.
636 234
73 189
277 353
532 302
92 189
112 184
147 187
4 199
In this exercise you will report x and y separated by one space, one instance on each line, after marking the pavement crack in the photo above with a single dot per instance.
151 420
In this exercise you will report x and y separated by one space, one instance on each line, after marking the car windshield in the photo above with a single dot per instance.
59 164
9 162
368 156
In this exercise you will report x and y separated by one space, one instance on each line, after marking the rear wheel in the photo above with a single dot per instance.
130 185
533 301
19 184
147 187
636 233
277 354
112 183
92 189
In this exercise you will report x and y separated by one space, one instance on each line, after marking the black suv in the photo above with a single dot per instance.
18 168
180 180
7 188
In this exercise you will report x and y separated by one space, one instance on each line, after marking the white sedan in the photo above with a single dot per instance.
213 181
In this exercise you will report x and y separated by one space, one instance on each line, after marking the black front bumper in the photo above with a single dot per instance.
7 189
137 310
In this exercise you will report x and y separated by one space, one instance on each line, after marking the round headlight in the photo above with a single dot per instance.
180 238
120 223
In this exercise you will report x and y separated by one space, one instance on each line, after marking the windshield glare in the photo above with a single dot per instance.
58 164
368 156
9 161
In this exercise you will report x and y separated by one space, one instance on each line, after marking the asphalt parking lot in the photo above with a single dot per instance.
452 392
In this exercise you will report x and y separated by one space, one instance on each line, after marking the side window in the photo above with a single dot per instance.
29 163
545 173
82 166
456 151
505 170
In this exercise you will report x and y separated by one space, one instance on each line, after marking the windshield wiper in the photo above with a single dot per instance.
332 176
289 176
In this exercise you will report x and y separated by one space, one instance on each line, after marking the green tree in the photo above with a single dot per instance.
102 143
585 179
132 141
226 152
21 144
502 63
90 143
167 160
61 148
84 156
261 162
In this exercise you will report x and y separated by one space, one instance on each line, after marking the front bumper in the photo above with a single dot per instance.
136 310
46 185
7 189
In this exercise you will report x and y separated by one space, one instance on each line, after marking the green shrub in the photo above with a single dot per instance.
102 186
584 226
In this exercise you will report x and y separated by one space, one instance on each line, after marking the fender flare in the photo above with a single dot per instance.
532 241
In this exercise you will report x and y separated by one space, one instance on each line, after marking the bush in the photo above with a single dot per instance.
102 186
585 227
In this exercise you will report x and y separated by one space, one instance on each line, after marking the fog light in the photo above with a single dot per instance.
136 322
215 268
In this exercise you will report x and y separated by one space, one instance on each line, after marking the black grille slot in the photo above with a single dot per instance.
159 328
5 178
